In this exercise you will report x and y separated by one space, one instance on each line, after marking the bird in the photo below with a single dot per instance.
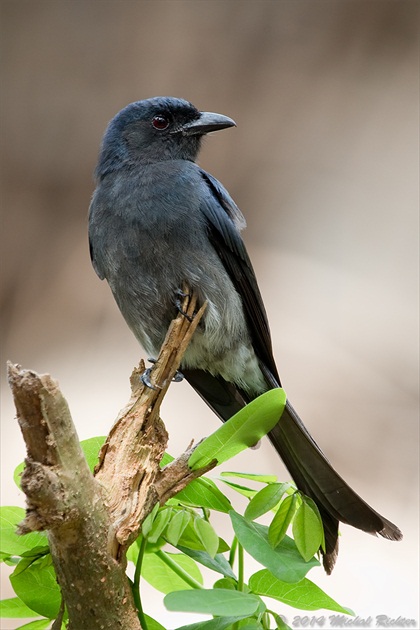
158 222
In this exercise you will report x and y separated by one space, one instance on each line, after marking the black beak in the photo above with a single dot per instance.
206 123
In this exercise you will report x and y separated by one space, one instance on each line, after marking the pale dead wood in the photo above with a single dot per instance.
91 521
130 459
64 499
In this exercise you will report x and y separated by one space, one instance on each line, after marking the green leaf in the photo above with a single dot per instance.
244 490
17 474
304 595
147 524
37 586
262 607
36 552
281 624
159 524
207 535
218 563
163 578
152 624
156 546
219 623
307 530
23 564
265 500
166 459
177 526
91 448
201 492
241 431
226 583
282 519
285 562
204 493
315 509
11 543
15 608
250 476
39 624
133 550
252 624
223 546
219 602
190 539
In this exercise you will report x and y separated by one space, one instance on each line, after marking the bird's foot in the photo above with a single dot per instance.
180 296
178 377
145 377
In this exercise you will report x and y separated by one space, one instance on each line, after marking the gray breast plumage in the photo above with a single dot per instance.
152 258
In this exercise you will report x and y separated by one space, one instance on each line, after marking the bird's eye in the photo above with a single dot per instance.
160 122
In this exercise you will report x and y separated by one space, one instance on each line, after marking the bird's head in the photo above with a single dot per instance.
154 130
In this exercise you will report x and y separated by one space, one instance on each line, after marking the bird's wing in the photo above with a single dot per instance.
224 221
94 211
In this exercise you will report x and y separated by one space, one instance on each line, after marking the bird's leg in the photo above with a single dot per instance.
180 296
178 377
145 377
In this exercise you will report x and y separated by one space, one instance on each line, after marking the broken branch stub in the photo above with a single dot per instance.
64 499
130 459
91 521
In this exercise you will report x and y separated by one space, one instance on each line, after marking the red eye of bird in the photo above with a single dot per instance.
160 122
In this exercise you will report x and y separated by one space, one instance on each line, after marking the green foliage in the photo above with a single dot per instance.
219 602
284 562
265 500
219 564
304 594
15 608
179 537
160 571
243 430
207 535
282 519
308 531
11 543
152 624
244 490
39 624
91 448
204 493
35 583
218 623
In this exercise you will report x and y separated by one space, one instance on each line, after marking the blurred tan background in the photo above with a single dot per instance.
324 165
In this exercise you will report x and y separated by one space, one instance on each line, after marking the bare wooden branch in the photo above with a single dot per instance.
65 499
130 459
91 521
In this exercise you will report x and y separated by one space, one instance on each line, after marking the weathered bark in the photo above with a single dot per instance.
91 521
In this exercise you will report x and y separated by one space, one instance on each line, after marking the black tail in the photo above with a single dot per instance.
310 469
314 475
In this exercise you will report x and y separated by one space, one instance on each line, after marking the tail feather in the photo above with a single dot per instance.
310 469
315 476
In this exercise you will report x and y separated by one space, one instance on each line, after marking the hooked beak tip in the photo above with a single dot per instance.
206 123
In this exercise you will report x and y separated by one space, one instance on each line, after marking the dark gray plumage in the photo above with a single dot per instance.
157 221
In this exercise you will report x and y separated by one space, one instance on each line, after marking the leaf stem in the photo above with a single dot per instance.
266 621
233 551
136 584
240 567
176 568
236 546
